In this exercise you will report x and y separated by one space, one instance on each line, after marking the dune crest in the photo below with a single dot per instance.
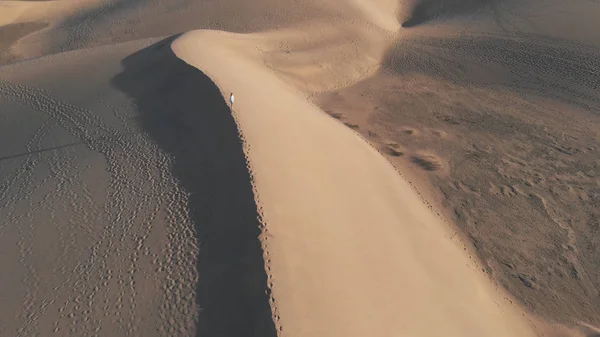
134 201
325 196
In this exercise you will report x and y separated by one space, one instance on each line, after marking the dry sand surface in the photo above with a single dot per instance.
455 191
501 128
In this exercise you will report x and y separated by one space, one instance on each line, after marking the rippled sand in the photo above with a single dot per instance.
452 190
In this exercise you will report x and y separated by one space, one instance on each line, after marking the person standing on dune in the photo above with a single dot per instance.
231 99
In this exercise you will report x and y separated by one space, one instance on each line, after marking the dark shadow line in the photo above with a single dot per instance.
185 113
427 11
41 151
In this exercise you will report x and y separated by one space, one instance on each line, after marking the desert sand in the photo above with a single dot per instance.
454 192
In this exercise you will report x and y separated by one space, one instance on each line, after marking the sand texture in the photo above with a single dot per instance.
389 168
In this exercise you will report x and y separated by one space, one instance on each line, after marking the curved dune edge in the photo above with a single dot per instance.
351 250
27 11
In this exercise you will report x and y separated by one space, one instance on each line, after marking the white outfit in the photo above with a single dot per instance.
231 99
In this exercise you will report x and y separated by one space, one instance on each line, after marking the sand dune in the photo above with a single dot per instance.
511 118
134 201
326 275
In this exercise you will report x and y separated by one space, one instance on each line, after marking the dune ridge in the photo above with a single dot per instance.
128 179
301 224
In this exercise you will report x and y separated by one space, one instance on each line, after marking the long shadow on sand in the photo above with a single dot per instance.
184 112
424 11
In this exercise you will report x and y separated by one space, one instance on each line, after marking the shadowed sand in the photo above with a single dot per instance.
184 112
151 218
175 216
326 274
419 12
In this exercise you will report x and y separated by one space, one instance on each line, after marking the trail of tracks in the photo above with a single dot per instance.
96 274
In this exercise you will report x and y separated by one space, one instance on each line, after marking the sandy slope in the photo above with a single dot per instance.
130 205
110 195
95 231
376 261
89 23
499 124
137 223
